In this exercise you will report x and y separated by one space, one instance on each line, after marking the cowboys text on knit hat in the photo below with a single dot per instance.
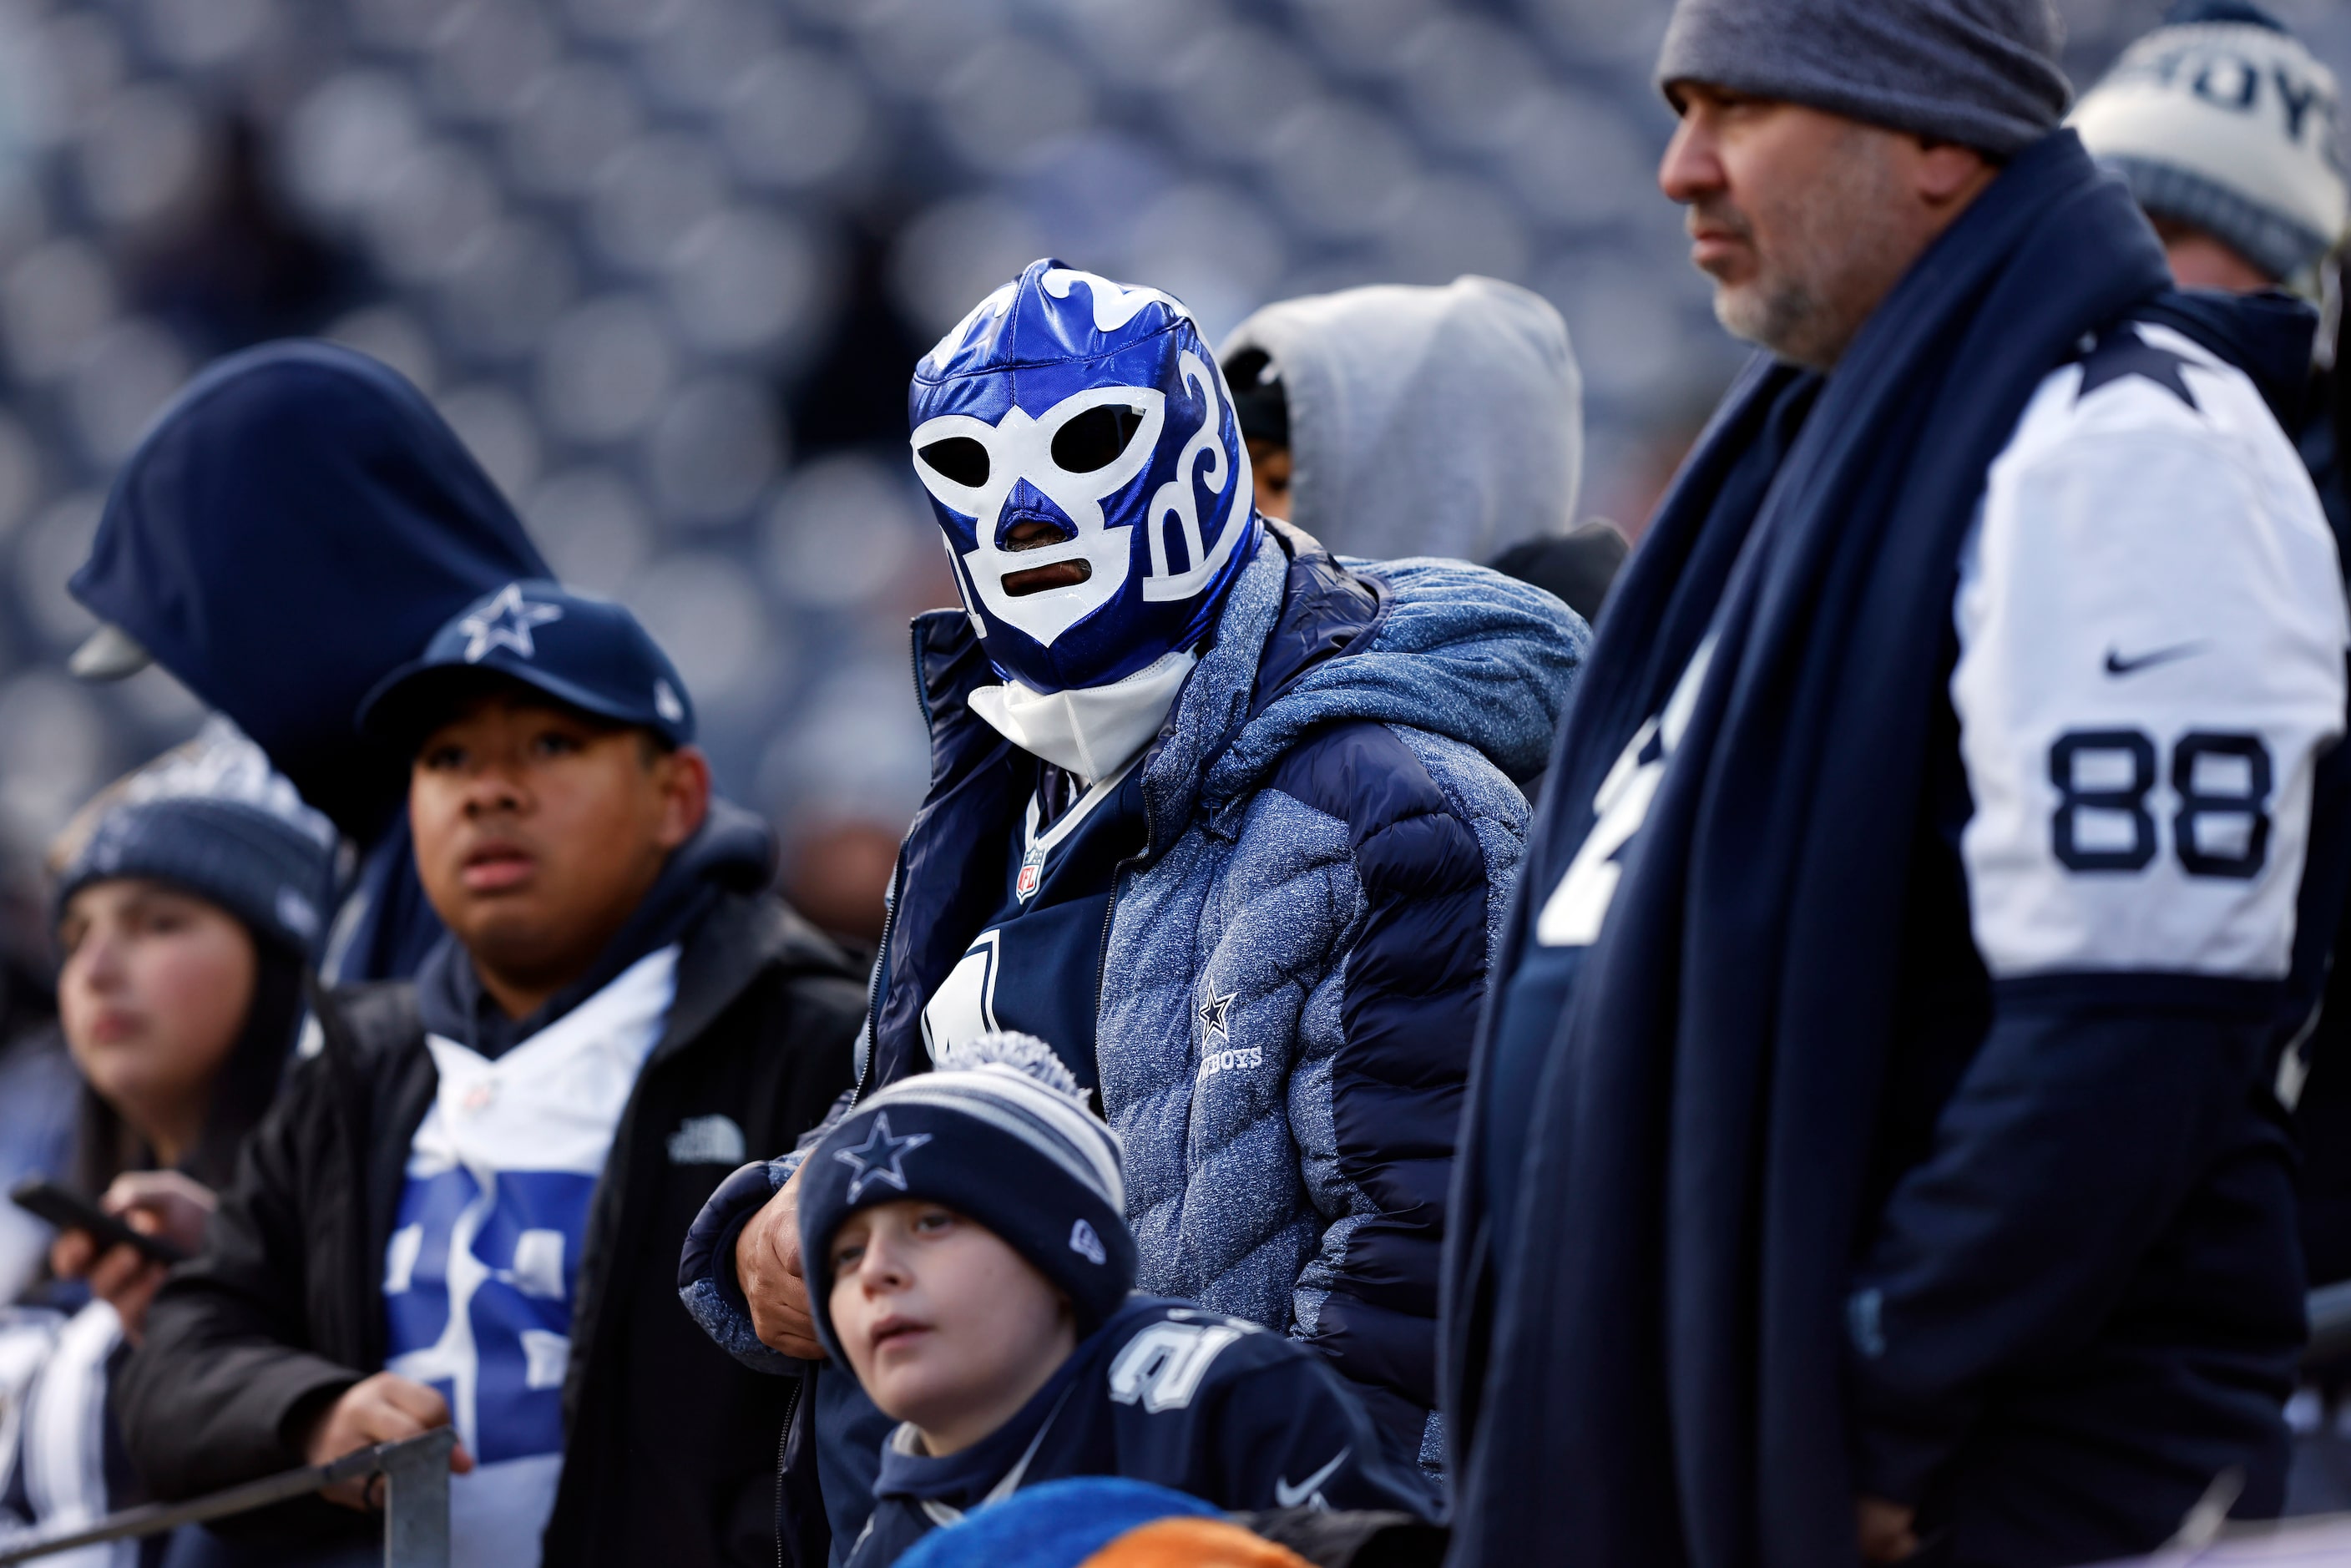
1983 73
999 1133
2220 119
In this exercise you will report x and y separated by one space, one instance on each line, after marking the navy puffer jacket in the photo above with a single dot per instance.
1335 815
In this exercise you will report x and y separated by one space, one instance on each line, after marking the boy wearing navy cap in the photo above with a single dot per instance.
970 1261
447 1220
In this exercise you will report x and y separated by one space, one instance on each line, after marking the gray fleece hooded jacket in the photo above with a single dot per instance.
1426 421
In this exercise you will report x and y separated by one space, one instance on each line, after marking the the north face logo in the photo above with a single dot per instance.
706 1141
1086 1244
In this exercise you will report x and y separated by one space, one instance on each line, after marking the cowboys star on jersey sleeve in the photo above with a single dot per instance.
2151 634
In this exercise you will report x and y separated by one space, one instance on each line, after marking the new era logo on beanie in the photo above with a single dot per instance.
999 1133
2222 120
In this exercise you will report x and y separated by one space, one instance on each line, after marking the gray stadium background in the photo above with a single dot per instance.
666 263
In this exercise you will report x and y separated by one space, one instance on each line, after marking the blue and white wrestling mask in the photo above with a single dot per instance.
1078 445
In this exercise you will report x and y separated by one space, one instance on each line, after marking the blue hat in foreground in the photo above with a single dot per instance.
1058 1524
585 653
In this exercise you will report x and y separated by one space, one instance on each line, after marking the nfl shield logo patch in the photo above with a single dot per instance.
1032 872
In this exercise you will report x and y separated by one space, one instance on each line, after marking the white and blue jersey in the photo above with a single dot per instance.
1038 966
2146 672
483 1268
62 1464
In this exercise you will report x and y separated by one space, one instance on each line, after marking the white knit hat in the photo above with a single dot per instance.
2223 120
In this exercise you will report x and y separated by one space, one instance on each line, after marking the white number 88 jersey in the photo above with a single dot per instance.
2152 632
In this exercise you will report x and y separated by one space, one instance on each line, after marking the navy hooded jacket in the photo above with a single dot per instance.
298 522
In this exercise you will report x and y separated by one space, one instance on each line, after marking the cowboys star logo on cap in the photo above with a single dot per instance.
880 1157
505 622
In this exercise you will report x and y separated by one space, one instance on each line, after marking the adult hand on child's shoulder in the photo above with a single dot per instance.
385 1408
767 1267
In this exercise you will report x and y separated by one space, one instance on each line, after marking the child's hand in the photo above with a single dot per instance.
123 1277
768 1266
161 1203
385 1408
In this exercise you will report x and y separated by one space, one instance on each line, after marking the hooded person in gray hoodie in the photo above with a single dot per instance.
1397 421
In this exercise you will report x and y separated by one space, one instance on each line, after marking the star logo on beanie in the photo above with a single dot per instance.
880 1157
505 622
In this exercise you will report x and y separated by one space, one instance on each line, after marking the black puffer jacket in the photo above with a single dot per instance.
670 1444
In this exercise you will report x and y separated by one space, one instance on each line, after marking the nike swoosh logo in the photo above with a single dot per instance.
2118 665
1288 1495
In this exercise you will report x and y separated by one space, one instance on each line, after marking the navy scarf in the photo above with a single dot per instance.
1666 1309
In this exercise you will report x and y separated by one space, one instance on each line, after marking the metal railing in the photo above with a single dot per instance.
415 1504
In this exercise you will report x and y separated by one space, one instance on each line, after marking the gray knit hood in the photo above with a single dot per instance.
1442 422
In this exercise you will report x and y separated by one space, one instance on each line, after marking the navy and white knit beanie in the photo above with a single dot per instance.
2222 120
1981 73
211 819
998 1132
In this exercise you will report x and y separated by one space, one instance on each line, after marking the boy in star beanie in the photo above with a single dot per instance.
969 1261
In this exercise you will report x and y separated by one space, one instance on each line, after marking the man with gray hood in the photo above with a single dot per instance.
1876 1153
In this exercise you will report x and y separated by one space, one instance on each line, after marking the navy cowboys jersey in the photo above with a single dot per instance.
1171 1393
1037 966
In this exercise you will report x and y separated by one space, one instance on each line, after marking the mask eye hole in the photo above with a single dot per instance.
1094 439
960 459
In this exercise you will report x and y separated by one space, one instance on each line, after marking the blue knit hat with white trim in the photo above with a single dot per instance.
999 1133
2222 120
213 818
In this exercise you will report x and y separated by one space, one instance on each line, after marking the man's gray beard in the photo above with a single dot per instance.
1848 254
1783 320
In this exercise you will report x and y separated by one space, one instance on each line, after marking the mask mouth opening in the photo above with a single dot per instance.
1043 579
1033 532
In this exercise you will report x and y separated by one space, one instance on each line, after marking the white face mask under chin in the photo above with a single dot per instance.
1091 731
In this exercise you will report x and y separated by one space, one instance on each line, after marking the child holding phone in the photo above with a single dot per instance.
188 903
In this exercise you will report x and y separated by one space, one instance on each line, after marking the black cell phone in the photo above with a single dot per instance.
69 1210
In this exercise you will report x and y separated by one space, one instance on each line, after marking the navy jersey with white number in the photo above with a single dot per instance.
1209 1405
1038 966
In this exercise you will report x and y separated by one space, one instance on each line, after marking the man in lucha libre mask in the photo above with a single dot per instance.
1227 822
